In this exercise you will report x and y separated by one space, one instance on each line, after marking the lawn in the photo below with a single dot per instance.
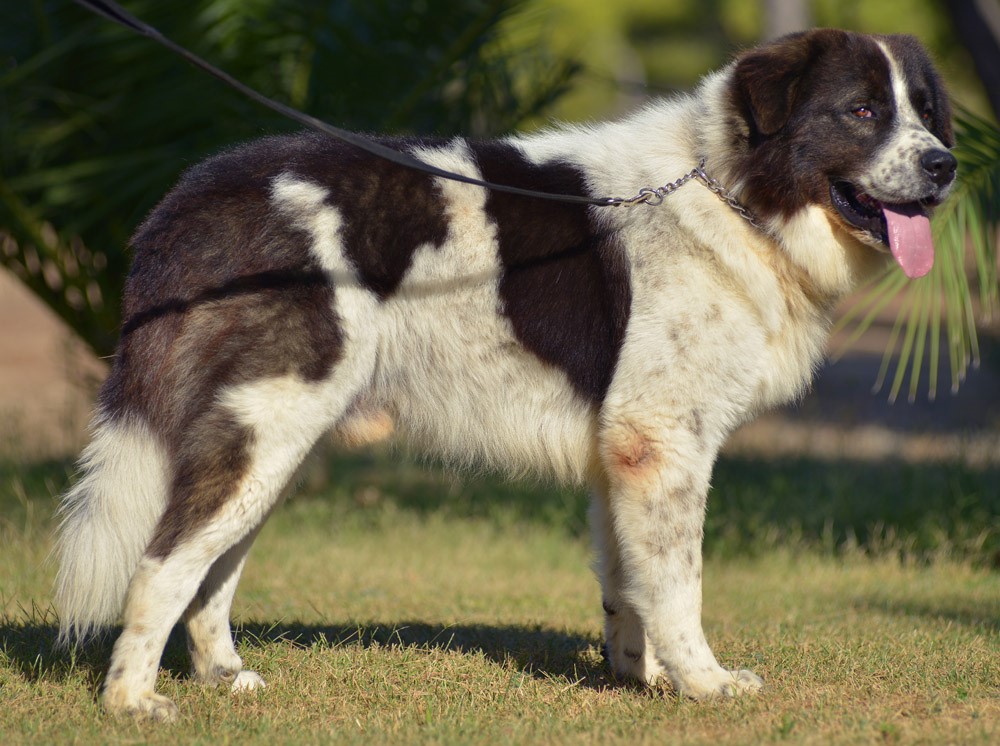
392 603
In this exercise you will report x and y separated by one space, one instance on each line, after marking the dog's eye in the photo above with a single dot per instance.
863 112
927 114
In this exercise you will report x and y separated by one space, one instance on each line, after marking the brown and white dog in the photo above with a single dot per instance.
294 285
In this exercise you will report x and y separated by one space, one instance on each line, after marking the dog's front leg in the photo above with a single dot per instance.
653 513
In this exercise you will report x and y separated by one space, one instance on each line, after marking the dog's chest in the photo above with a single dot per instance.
702 338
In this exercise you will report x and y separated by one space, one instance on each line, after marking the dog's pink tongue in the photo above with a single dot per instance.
910 238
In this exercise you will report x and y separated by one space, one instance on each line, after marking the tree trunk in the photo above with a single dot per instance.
977 23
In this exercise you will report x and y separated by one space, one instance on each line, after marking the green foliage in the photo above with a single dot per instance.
967 223
97 123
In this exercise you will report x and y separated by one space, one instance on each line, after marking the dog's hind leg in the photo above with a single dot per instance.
160 590
210 641
227 477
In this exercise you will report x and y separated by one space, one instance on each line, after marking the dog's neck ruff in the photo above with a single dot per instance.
655 195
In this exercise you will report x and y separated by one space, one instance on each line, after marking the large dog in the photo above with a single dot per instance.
296 285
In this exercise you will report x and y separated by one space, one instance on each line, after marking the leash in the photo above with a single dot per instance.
648 195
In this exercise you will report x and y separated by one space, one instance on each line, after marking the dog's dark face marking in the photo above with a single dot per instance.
565 284
848 122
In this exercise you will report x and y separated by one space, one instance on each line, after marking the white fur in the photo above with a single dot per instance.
287 417
106 520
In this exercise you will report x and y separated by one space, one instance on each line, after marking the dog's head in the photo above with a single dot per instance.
859 125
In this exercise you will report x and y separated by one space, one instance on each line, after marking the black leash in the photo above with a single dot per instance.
114 12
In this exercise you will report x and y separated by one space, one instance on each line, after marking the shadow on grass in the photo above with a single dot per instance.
535 650
30 650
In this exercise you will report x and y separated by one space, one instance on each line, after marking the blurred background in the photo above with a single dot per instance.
97 123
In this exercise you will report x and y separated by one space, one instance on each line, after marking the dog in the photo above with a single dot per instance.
296 285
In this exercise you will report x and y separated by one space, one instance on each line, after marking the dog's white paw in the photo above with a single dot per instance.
149 706
720 684
247 681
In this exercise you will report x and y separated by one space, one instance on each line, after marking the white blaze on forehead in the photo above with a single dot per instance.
910 134
895 174
907 116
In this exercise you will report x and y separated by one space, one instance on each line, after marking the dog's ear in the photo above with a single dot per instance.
767 79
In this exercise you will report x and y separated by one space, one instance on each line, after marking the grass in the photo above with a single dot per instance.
388 603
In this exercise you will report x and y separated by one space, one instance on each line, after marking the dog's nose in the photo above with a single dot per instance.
940 165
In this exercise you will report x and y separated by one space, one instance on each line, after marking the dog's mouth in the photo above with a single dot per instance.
904 228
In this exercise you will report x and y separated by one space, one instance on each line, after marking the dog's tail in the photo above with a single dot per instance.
107 520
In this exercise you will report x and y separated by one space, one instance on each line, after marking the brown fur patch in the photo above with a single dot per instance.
566 283
210 465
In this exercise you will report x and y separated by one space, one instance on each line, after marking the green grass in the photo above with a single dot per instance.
388 603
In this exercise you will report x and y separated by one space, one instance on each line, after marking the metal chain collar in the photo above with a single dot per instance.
655 195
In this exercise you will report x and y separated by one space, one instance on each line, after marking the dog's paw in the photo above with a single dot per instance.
149 706
247 681
633 665
719 684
